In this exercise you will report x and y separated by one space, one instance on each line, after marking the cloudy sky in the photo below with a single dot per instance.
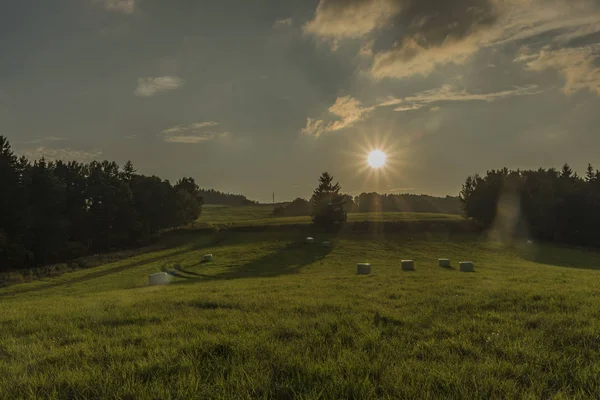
256 96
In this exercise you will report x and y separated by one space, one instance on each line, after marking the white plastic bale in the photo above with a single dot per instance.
444 262
160 278
467 266
363 268
208 257
326 244
408 265
309 240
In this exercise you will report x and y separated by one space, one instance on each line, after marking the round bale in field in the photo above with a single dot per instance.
444 262
207 257
160 278
363 268
467 266
309 240
408 265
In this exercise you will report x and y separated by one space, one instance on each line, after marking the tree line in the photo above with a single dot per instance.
375 202
57 211
212 196
547 204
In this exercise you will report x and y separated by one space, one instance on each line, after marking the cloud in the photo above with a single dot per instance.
45 140
366 50
122 6
65 154
147 87
411 107
314 127
576 65
414 37
349 112
335 19
192 134
414 59
450 93
283 23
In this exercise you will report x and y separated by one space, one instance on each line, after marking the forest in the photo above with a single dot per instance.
56 211
545 204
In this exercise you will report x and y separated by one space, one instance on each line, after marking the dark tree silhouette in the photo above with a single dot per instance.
328 211
556 206
57 211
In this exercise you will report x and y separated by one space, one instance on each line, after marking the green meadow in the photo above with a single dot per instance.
274 318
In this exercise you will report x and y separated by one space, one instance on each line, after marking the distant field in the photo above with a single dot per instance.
258 215
272 317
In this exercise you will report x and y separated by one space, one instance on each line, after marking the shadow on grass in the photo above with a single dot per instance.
216 240
287 260
561 256
448 267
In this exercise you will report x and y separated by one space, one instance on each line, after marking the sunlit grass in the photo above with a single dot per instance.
260 215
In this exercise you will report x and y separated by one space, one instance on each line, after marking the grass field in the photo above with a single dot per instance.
261 215
272 317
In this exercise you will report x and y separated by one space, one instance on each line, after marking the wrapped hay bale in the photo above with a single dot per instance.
444 262
408 265
467 266
363 268
160 278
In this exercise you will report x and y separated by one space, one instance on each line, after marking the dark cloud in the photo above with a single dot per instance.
409 37
434 21
431 21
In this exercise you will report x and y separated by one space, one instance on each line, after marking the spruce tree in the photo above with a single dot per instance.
328 211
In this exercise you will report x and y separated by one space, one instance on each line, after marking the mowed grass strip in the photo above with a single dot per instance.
273 317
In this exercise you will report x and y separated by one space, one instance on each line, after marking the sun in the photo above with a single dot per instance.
376 159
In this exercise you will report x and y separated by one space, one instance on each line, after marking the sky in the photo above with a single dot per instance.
261 96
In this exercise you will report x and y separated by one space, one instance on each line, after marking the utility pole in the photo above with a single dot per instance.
273 197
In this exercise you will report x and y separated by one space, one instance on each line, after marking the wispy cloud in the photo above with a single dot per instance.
576 65
122 6
147 87
314 127
349 112
448 93
192 134
283 23
65 154
46 139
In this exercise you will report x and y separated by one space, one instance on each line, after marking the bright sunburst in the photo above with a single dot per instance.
376 159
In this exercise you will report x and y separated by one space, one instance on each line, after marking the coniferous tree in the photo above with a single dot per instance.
328 211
